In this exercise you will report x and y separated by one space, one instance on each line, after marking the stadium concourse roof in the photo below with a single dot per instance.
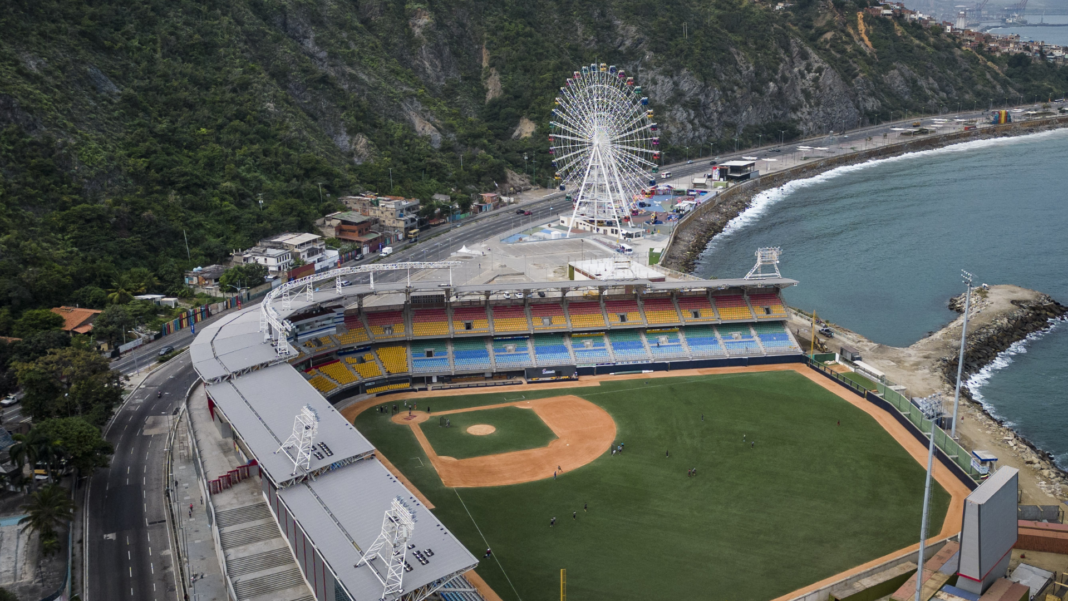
340 503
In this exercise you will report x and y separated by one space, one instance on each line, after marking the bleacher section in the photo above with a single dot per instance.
386 324
431 356
665 344
320 382
774 338
320 343
550 350
696 309
586 314
623 311
660 311
511 353
738 339
732 308
468 320
548 316
768 306
356 332
338 373
393 358
430 322
368 369
590 349
470 354
385 387
627 345
510 319
703 342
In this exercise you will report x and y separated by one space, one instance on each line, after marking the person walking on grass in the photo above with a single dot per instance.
585 507
488 553
554 475
574 515
552 522
667 453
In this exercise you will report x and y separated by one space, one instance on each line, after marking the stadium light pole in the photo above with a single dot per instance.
931 408
963 338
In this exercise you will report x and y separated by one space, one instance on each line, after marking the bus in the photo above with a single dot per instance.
413 235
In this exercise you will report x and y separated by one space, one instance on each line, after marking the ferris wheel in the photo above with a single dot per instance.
604 145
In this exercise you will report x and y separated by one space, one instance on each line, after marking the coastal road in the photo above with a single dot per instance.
127 545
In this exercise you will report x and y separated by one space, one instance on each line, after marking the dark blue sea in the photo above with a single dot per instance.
879 247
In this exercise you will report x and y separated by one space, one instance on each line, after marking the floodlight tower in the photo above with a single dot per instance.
305 427
931 407
963 338
397 527
765 257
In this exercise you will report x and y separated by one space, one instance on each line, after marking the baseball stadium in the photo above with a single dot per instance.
628 439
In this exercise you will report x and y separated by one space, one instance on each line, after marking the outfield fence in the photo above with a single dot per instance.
951 448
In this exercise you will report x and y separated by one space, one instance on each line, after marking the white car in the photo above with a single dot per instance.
9 400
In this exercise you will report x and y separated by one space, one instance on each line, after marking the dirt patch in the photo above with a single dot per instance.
481 429
414 417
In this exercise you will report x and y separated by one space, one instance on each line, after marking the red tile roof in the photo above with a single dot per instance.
75 319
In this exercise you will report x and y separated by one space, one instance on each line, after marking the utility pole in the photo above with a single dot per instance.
391 180
963 338
320 193
184 235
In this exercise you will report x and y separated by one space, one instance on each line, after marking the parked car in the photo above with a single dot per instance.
828 332
9 400
527 213
541 294
165 350
519 212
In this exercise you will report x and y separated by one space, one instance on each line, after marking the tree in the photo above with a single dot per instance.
248 275
37 320
6 595
83 446
48 509
111 325
68 382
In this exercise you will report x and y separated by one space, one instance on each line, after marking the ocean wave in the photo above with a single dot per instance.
976 381
763 201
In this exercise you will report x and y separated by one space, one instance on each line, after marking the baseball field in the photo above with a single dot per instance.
794 484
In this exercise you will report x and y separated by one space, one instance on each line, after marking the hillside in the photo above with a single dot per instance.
133 131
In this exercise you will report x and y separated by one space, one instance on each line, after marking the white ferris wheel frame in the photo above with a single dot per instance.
603 143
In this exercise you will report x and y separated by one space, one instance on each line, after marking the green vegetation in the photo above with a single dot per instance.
859 380
67 382
142 138
48 509
242 276
654 257
517 430
842 494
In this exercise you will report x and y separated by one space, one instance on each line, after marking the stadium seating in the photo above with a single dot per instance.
386 387
768 306
320 382
551 350
386 324
696 309
738 339
623 311
585 314
660 311
471 354
430 322
627 345
774 338
590 348
702 341
368 369
393 358
322 342
356 333
431 356
510 319
511 353
339 373
467 320
548 316
732 307
664 344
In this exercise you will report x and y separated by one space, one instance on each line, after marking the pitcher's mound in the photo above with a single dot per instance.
481 429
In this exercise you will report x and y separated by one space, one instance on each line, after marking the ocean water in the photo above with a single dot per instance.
878 248
1050 35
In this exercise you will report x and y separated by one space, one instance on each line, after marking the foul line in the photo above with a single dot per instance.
488 546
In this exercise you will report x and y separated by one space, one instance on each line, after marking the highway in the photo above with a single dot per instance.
127 545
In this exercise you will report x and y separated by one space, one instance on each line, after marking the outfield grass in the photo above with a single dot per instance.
517 430
859 380
810 500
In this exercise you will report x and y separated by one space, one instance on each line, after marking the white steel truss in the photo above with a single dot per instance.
276 329
397 527
298 447
767 257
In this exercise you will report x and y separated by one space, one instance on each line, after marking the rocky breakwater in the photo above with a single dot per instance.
999 316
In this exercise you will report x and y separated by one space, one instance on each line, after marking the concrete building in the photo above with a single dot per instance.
205 279
277 260
76 320
348 226
395 216
309 248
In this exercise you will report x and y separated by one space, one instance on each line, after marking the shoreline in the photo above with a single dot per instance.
999 318
697 230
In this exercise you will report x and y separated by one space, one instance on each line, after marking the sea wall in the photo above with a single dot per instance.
694 231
